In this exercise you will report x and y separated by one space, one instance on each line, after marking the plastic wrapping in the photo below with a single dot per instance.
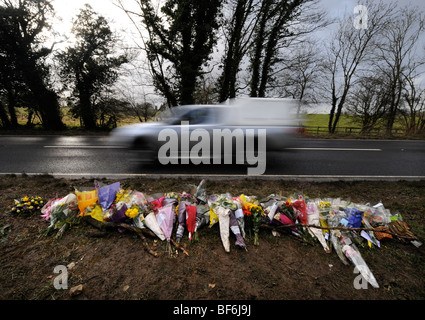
181 218
95 213
151 223
355 217
224 223
234 226
313 219
241 221
86 199
61 212
165 218
334 238
299 207
157 203
119 213
106 195
190 219
202 216
353 254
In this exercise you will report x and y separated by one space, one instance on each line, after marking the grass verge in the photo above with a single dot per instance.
114 266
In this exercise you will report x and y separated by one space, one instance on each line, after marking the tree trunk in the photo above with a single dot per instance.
86 111
332 112
258 48
3 117
234 53
188 84
47 101
11 107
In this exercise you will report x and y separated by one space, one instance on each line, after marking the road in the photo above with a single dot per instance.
311 159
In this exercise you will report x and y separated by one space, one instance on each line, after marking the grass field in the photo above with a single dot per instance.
315 124
313 120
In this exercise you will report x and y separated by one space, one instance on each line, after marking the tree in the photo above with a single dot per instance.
300 70
348 50
369 99
238 28
109 110
23 66
90 66
397 57
180 41
280 23
414 99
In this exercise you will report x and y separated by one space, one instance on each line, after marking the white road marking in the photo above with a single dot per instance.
335 149
83 147
121 147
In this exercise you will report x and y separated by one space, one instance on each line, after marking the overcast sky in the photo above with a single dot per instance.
68 10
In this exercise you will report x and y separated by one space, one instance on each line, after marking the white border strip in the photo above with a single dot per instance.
222 176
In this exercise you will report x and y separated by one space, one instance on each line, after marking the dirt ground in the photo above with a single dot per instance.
115 266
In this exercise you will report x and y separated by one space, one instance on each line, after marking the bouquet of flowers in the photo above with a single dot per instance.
313 219
299 207
106 194
118 212
213 216
234 226
151 222
270 206
95 211
285 214
202 217
257 218
86 199
165 218
157 203
220 207
353 254
183 199
239 215
253 213
190 219
27 205
62 213
223 220
324 209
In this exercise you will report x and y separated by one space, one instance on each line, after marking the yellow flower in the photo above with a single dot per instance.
25 199
132 213
324 204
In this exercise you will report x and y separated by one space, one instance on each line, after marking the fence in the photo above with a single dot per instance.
317 130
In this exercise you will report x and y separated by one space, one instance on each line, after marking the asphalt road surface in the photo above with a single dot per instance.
311 159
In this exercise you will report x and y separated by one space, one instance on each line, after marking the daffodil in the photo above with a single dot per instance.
132 213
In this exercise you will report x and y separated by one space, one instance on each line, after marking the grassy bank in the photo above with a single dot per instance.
113 265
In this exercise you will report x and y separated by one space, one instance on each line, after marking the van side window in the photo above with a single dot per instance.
197 116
